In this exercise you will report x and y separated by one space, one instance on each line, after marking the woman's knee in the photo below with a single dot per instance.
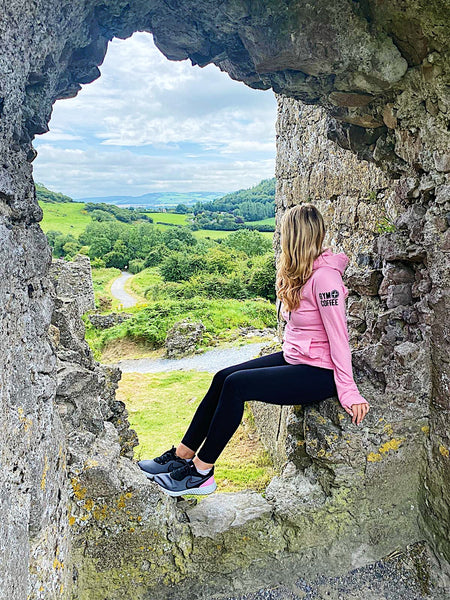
221 375
233 384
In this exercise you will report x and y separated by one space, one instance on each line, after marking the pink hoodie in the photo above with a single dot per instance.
316 333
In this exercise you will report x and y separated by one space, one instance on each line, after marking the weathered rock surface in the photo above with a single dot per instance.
381 71
109 320
182 338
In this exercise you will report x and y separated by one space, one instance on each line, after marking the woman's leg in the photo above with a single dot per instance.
201 420
286 384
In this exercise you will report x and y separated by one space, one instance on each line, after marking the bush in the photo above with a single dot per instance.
179 266
104 303
262 279
136 265
212 285
250 242
97 263
155 256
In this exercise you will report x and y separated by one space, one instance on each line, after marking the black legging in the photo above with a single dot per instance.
267 379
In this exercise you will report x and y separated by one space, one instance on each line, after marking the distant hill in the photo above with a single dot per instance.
157 199
43 193
255 205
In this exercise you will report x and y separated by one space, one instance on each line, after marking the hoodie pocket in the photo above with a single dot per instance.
309 348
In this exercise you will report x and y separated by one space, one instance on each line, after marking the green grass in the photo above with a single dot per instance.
268 221
67 217
102 279
160 407
150 323
140 282
175 218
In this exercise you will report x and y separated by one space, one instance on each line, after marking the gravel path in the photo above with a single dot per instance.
118 290
389 579
211 360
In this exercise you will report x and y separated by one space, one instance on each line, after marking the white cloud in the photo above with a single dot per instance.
124 173
150 123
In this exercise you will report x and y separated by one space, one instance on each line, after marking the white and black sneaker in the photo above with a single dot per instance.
187 480
166 463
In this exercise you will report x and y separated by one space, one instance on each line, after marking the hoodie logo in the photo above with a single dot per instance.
329 298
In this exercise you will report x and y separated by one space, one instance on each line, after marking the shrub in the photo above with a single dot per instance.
136 265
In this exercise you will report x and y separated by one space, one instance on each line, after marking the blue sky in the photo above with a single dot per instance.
150 124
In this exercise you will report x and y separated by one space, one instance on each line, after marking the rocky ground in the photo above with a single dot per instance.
403 576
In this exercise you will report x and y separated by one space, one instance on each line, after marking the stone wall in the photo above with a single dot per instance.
75 281
395 232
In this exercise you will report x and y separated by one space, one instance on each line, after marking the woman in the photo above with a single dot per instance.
314 363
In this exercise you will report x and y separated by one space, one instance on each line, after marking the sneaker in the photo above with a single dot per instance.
187 480
166 463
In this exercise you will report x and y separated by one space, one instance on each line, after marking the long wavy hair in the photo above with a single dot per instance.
302 232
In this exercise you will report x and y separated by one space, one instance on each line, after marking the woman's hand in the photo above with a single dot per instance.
358 412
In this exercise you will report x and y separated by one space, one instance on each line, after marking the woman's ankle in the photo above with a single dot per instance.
200 464
183 451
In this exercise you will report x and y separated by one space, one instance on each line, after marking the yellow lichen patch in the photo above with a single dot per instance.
91 463
444 451
26 422
121 500
391 445
44 473
78 490
388 429
318 417
100 512
72 520
374 457
89 503
313 443
426 429
300 442
386 447
57 564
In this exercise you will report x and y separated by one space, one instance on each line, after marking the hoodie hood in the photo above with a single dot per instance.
329 259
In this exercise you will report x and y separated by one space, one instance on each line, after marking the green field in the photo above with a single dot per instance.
66 217
71 217
268 221
160 407
168 217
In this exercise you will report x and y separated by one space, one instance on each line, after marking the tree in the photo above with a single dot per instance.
262 280
250 242
118 257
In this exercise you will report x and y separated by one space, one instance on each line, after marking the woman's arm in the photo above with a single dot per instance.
329 291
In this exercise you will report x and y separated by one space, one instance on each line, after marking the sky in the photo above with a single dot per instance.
149 124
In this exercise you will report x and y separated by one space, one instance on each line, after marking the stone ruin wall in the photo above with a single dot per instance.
381 73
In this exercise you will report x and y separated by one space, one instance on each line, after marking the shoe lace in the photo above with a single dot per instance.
166 456
181 472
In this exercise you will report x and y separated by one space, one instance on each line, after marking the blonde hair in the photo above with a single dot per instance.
302 231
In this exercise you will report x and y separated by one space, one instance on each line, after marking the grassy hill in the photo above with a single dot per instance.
62 213
66 217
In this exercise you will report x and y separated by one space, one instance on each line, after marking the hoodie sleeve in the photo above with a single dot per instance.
330 294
